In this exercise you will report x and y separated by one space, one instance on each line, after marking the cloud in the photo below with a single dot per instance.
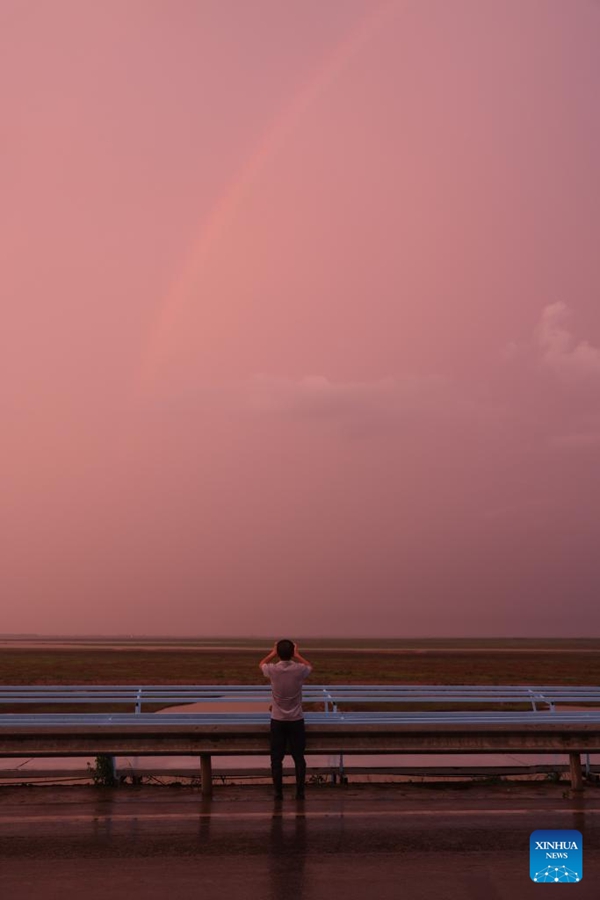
312 395
560 350
555 383
508 510
315 395
576 440
510 351
358 404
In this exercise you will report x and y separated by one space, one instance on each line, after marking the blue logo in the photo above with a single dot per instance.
556 857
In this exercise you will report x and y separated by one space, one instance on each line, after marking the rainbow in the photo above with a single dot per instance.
162 332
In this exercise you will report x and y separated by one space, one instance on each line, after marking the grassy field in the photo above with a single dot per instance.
366 662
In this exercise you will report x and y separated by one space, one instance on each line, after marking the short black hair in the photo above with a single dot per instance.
285 649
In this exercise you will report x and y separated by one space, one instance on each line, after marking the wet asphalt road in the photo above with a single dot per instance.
348 842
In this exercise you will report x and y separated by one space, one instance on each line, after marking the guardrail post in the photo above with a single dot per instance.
206 774
575 766
138 704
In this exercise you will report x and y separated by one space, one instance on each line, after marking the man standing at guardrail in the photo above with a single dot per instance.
287 717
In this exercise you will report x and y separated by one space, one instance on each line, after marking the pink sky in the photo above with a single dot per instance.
300 317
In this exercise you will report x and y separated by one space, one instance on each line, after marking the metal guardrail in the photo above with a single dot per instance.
331 696
332 718
109 732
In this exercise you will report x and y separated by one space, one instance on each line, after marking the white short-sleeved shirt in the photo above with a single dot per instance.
286 678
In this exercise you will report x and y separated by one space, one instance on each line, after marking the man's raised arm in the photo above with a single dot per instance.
268 657
299 658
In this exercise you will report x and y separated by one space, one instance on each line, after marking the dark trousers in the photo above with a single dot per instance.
282 735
